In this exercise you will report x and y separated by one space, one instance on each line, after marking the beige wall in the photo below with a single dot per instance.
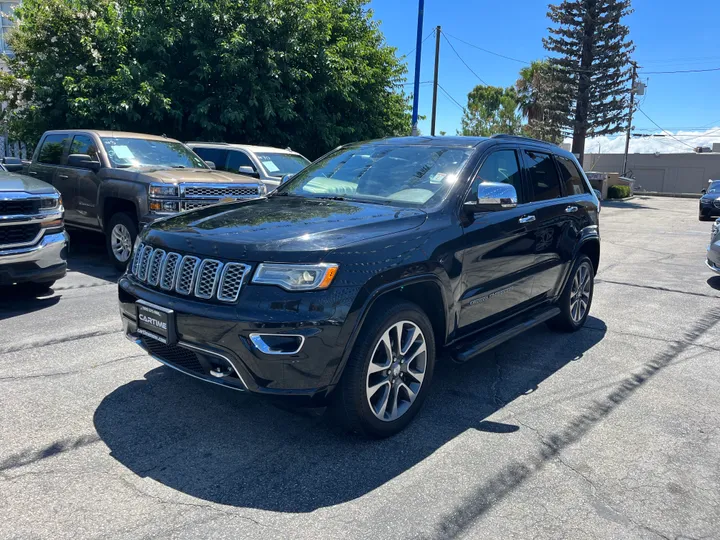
665 173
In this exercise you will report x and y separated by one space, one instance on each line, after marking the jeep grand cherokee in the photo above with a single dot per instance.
341 286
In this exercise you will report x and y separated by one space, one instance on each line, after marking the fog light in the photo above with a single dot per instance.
278 343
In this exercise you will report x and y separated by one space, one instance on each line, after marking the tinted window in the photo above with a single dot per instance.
543 176
573 183
383 173
501 167
217 155
238 159
82 144
51 150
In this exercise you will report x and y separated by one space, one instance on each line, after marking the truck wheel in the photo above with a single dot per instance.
575 301
389 371
120 236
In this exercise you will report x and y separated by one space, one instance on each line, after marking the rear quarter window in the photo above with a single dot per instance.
571 178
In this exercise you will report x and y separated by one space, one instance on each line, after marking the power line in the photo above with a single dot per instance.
680 71
664 130
487 50
411 83
461 59
451 98
413 49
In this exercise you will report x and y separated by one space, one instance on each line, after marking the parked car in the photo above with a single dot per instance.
264 162
713 250
710 201
342 285
12 164
33 241
116 183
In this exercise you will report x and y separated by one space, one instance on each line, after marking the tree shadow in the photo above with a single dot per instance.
714 282
88 255
612 203
233 449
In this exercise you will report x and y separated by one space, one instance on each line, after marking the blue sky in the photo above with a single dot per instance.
669 35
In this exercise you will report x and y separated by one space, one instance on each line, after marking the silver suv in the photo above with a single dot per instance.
268 164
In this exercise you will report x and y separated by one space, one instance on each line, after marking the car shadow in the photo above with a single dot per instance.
714 282
229 448
88 255
25 298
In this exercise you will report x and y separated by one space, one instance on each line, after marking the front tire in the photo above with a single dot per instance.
120 238
576 298
389 371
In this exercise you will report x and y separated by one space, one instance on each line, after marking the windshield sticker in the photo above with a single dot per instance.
123 152
270 166
437 178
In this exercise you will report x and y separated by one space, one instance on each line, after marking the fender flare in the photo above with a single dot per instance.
131 192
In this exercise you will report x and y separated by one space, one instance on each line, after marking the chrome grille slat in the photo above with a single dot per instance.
205 279
187 274
213 192
169 271
231 281
156 264
208 277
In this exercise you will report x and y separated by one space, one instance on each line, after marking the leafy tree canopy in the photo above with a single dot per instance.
310 74
491 110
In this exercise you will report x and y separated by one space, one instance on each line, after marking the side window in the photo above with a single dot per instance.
52 148
501 166
572 180
217 155
238 159
543 176
82 144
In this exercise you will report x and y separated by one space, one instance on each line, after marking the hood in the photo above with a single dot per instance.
20 182
280 228
168 175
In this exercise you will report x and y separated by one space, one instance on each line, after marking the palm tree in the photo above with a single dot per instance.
528 88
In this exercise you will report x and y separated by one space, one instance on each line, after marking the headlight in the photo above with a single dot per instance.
51 203
164 206
262 190
296 277
158 190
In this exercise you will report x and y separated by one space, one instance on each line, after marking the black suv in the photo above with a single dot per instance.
342 286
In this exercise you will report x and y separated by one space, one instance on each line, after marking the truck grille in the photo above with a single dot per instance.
215 192
193 205
18 234
206 279
716 203
19 206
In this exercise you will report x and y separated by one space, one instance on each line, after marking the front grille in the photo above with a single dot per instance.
188 275
19 206
213 192
193 205
716 203
175 355
18 234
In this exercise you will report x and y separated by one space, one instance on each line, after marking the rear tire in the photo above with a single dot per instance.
389 371
120 238
576 298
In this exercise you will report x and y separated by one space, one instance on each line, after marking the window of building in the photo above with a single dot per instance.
6 25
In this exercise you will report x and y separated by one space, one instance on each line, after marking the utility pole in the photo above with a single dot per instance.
632 107
438 30
418 54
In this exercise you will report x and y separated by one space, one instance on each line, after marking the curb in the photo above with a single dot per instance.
675 195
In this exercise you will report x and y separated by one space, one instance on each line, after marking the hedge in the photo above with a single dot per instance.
618 192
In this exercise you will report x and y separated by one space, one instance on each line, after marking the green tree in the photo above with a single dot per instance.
537 89
310 74
592 67
491 110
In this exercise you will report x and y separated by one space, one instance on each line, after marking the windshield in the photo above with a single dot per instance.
714 188
126 152
405 175
282 164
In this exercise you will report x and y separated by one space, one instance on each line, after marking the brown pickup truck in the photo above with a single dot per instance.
116 183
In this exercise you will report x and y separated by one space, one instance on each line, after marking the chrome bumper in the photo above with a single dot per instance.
712 266
46 253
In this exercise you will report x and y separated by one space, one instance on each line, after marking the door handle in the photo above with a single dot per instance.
527 219
32 172
571 209
64 176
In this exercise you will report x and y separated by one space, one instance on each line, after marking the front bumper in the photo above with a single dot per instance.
713 256
45 261
215 342
709 210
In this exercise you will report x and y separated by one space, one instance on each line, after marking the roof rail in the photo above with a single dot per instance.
521 137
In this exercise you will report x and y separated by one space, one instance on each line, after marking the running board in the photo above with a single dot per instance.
494 337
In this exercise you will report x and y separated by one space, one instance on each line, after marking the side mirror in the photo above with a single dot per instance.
83 161
247 170
210 164
493 196
704 191
285 178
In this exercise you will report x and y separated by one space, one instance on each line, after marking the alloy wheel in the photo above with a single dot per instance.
580 292
121 242
396 371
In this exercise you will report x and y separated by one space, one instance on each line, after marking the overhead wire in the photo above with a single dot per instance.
487 50
447 94
413 49
664 130
461 59
679 71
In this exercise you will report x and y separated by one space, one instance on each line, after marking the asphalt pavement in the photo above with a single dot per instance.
611 432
